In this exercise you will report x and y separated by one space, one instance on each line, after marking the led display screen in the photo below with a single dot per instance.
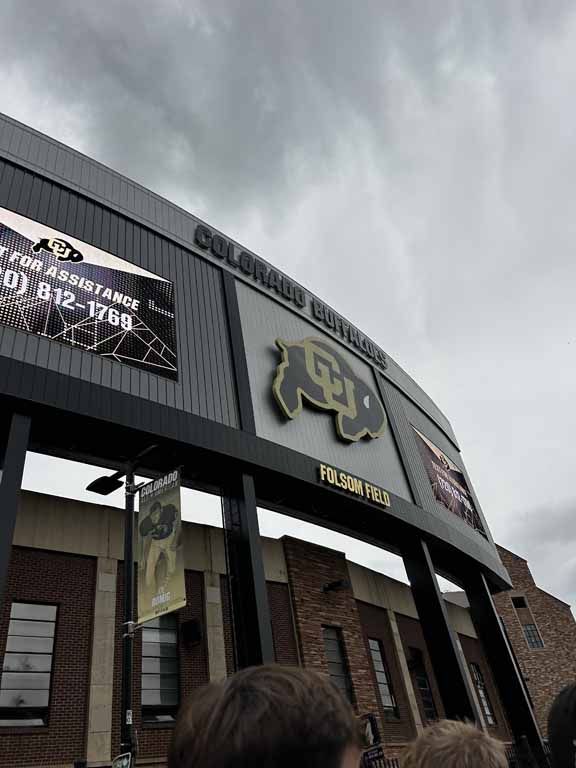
56 286
448 482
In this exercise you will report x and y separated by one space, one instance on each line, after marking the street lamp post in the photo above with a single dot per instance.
105 485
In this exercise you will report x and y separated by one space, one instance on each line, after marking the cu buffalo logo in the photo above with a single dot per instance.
60 248
311 370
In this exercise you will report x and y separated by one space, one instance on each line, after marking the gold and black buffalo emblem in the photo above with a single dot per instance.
312 370
60 248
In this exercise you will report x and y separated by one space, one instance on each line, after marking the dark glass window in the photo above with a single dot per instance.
532 636
336 660
160 670
519 602
480 685
383 678
423 687
27 667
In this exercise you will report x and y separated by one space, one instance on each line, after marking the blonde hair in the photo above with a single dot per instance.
451 744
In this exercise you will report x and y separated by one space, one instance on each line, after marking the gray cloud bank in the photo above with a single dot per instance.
412 161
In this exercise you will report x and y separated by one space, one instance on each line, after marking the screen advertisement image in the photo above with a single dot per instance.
161 585
63 289
448 482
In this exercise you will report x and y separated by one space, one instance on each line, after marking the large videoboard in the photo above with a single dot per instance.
57 286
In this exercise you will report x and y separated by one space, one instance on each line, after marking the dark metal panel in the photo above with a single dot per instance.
245 402
212 380
409 451
15 141
42 147
187 308
224 331
6 131
6 180
407 414
14 192
7 342
206 385
25 144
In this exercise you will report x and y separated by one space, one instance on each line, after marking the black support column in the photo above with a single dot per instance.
446 658
249 597
499 654
253 642
13 449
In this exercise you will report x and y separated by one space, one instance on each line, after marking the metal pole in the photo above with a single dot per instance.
127 733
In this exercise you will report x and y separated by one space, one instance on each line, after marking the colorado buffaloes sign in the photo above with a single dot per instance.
312 370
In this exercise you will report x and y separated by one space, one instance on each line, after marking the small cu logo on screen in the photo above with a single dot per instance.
60 248
312 370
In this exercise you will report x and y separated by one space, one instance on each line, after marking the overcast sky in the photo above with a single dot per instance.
431 144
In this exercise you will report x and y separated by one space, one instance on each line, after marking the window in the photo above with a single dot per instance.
383 678
337 667
25 683
480 685
526 619
532 636
416 665
160 670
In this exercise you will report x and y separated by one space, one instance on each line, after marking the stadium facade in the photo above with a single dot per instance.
127 323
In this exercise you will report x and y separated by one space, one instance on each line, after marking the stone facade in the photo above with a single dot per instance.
315 609
548 669
67 581
70 554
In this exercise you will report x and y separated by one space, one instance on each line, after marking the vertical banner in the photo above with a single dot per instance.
161 586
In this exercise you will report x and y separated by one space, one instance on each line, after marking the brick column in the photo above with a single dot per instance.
310 567
102 673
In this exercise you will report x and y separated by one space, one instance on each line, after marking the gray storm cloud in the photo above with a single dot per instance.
413 162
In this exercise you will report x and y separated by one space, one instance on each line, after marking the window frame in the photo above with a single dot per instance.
417 666
349 687
531 630
14 714
483 695
149 711
390 712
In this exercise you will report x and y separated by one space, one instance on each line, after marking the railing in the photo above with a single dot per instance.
520 756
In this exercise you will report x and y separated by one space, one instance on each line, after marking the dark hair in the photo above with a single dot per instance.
562 728
269 716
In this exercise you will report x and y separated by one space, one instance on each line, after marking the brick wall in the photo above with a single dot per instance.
412 637
67 581
376 625
153 741
285 648
473 653
309 568
546 670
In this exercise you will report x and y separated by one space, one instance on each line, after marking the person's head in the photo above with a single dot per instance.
562 728
268 716
451 744
155 511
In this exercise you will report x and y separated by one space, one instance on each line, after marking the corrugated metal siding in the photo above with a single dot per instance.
311 433
405 414
23 145
206 381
